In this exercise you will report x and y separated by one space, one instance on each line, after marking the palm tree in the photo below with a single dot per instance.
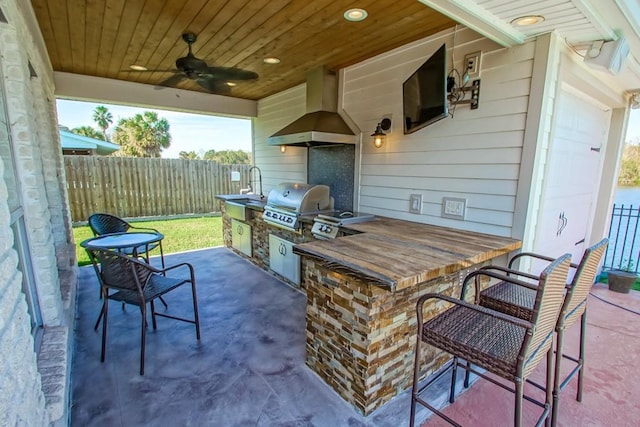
143 135
189 155
103 119
89 132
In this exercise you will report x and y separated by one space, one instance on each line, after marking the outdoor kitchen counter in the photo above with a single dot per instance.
396 254
361 301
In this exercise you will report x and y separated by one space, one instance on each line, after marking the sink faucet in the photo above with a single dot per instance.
252 181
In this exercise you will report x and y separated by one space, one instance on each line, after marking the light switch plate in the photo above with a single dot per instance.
454 208
415 203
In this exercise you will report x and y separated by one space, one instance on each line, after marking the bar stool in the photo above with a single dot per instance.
503 345
518 300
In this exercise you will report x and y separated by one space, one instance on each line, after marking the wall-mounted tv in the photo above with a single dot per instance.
424 93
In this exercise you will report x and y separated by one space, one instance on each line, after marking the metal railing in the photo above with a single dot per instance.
623 252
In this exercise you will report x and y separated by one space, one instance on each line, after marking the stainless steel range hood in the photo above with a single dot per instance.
321 125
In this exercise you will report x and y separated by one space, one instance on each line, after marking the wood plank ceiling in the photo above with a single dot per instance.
104 37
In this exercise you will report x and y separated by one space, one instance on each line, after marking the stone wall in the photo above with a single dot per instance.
260 231
34 380
361 338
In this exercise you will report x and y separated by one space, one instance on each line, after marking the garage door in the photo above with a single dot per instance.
578 138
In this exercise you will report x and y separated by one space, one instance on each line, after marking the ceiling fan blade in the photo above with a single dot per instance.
229 73
129 70
213 85
171 81
213 79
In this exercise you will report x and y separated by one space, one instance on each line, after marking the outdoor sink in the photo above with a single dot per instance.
237 207
241 197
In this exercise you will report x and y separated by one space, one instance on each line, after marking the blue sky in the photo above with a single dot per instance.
189 132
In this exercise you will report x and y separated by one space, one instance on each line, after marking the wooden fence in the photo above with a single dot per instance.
136 187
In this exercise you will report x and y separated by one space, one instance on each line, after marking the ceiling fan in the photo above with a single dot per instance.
216 80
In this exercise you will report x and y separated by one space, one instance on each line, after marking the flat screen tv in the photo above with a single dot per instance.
424 93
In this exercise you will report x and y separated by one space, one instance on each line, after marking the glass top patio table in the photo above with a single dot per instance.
123 240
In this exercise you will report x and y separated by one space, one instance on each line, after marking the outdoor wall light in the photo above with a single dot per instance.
283 148
379 135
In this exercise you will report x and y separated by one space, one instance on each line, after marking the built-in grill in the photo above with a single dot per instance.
327 225
289 200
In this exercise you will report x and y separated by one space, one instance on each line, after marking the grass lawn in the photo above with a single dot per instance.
179 235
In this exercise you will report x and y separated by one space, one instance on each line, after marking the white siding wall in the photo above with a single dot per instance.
474 155
274 113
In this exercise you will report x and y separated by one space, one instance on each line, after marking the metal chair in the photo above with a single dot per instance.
102 223
503 345
518 301
138 283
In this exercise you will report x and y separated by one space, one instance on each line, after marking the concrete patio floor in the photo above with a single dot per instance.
248 369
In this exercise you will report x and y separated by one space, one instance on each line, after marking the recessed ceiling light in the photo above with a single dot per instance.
271 60
138 67
231 84
355 15
524 21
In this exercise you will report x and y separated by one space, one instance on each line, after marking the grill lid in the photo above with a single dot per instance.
300 198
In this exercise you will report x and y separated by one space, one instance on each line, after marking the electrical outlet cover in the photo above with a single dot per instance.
454 208
472 62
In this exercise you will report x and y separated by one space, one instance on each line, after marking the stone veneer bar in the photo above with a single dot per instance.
361 337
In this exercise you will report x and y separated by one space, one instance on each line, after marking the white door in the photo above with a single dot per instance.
579 134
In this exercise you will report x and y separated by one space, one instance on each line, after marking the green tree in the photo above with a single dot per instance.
89 132
143 135
230 157
630 166
103 119
189 155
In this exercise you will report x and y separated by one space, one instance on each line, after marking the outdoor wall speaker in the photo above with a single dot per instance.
610 56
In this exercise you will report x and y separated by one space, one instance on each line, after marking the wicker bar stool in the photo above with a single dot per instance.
503 345
518 300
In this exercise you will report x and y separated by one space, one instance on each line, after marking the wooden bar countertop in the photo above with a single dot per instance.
396 254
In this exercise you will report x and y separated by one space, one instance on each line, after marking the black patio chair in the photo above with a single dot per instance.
518 300
503 345
102 223
135 282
